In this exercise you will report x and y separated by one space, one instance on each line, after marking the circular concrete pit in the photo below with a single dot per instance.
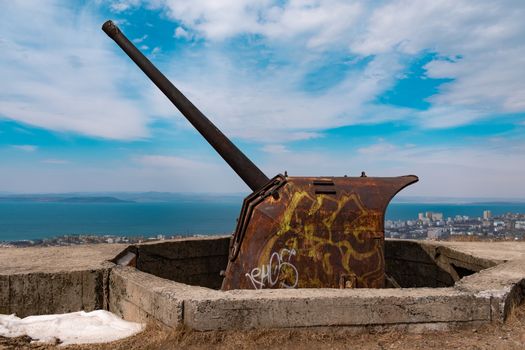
439 285
174 283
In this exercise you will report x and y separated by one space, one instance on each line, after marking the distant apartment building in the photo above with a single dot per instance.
499 226
436 233
430 216
487 214
519 225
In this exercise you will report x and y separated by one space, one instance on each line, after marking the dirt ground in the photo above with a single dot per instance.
510 335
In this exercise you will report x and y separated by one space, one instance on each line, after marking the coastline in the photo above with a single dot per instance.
73 240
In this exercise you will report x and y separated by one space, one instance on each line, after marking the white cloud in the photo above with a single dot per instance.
275 148
377 149
448 116
316 23
156 50
494 169
55 161
141 39
182 33
491 169
149 172
482 43
172 162
25 148
58 72
123 5
72 83
269 107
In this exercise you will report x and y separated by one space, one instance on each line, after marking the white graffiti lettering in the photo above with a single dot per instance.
279 268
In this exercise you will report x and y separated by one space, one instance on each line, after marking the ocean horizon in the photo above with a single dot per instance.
39 220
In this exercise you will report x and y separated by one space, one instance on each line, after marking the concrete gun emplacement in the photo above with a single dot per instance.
293 232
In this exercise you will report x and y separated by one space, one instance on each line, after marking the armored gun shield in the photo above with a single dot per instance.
313 232
292 231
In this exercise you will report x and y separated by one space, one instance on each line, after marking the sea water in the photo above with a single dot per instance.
30 220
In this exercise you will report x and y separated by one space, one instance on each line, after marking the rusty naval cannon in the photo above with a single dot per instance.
293 232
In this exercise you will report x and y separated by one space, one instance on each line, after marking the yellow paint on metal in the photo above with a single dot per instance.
312 246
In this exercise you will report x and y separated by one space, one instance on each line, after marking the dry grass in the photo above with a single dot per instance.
510 335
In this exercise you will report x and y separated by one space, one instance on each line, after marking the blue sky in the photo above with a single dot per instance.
432 88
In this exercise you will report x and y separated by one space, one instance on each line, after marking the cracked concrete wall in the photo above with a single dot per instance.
414 267
141 297
428 264
332 307
43 293
194 261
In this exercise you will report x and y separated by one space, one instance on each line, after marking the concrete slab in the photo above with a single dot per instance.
47 280
57 259
503 284
332 307
141 297
495 251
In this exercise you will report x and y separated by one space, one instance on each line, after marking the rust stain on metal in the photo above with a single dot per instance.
333 227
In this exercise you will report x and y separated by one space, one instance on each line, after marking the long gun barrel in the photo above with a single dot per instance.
243 166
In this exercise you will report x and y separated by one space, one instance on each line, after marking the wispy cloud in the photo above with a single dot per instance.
493 169
175 162
284 77
270 107
141 39
123 5
25 148
59 73
377 149
55 161
275 148
479 47
182 33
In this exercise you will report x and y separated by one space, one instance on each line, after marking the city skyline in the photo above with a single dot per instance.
318 88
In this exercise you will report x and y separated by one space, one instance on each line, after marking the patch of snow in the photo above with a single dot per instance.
73 328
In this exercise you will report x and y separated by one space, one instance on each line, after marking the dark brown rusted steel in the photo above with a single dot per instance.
317 232
293 231
244 167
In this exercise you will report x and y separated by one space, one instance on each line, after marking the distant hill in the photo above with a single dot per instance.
93 200
125 197
188 197
180 197
58 199
457 200
142 197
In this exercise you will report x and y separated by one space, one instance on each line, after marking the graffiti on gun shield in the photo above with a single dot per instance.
278 270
